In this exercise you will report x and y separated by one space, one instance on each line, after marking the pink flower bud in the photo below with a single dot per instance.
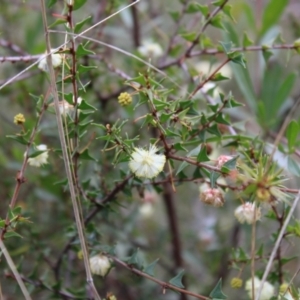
212 197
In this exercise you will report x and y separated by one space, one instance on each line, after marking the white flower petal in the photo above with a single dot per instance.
146 163
40 159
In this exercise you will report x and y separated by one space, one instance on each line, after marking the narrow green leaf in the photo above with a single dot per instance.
50 3
150 268
19 138
79 25
292 132
284 91
82 69
272 13
2 223
293 167
245 84
10 234
177 280
217 293
78 4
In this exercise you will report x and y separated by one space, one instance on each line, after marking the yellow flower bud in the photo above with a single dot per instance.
236 283
125 99
19 119
263 194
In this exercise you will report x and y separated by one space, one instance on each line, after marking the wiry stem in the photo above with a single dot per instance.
67 159
14 270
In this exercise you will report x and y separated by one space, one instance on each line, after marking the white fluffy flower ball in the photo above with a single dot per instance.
266 293
56 61
40 159
212 197
100 265
248 213
146 163
150 49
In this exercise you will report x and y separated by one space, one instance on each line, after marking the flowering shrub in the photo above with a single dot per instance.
166 150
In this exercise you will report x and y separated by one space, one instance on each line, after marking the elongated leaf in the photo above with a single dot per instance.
292 132
79 25
293 167
272 13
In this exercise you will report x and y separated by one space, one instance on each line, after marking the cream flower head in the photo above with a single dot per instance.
266 293
40 159
56 61
248 213
212 197
100 265
150 49
146 163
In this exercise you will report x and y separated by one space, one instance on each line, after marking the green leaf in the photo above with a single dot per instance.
82 69
134 260
260 251
238 58
50 3
85 155
175 15
293 167
177 280
189 36
226 46
217 293
246 40
82 51
79 25
150 268
230 164
57 22
218 2
219 77
84 106
19 138
213 178
202 156
78 4
267 54
284 91
182 166
10 234
292 132
195 7
272 13
214 130
217 22
227 11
